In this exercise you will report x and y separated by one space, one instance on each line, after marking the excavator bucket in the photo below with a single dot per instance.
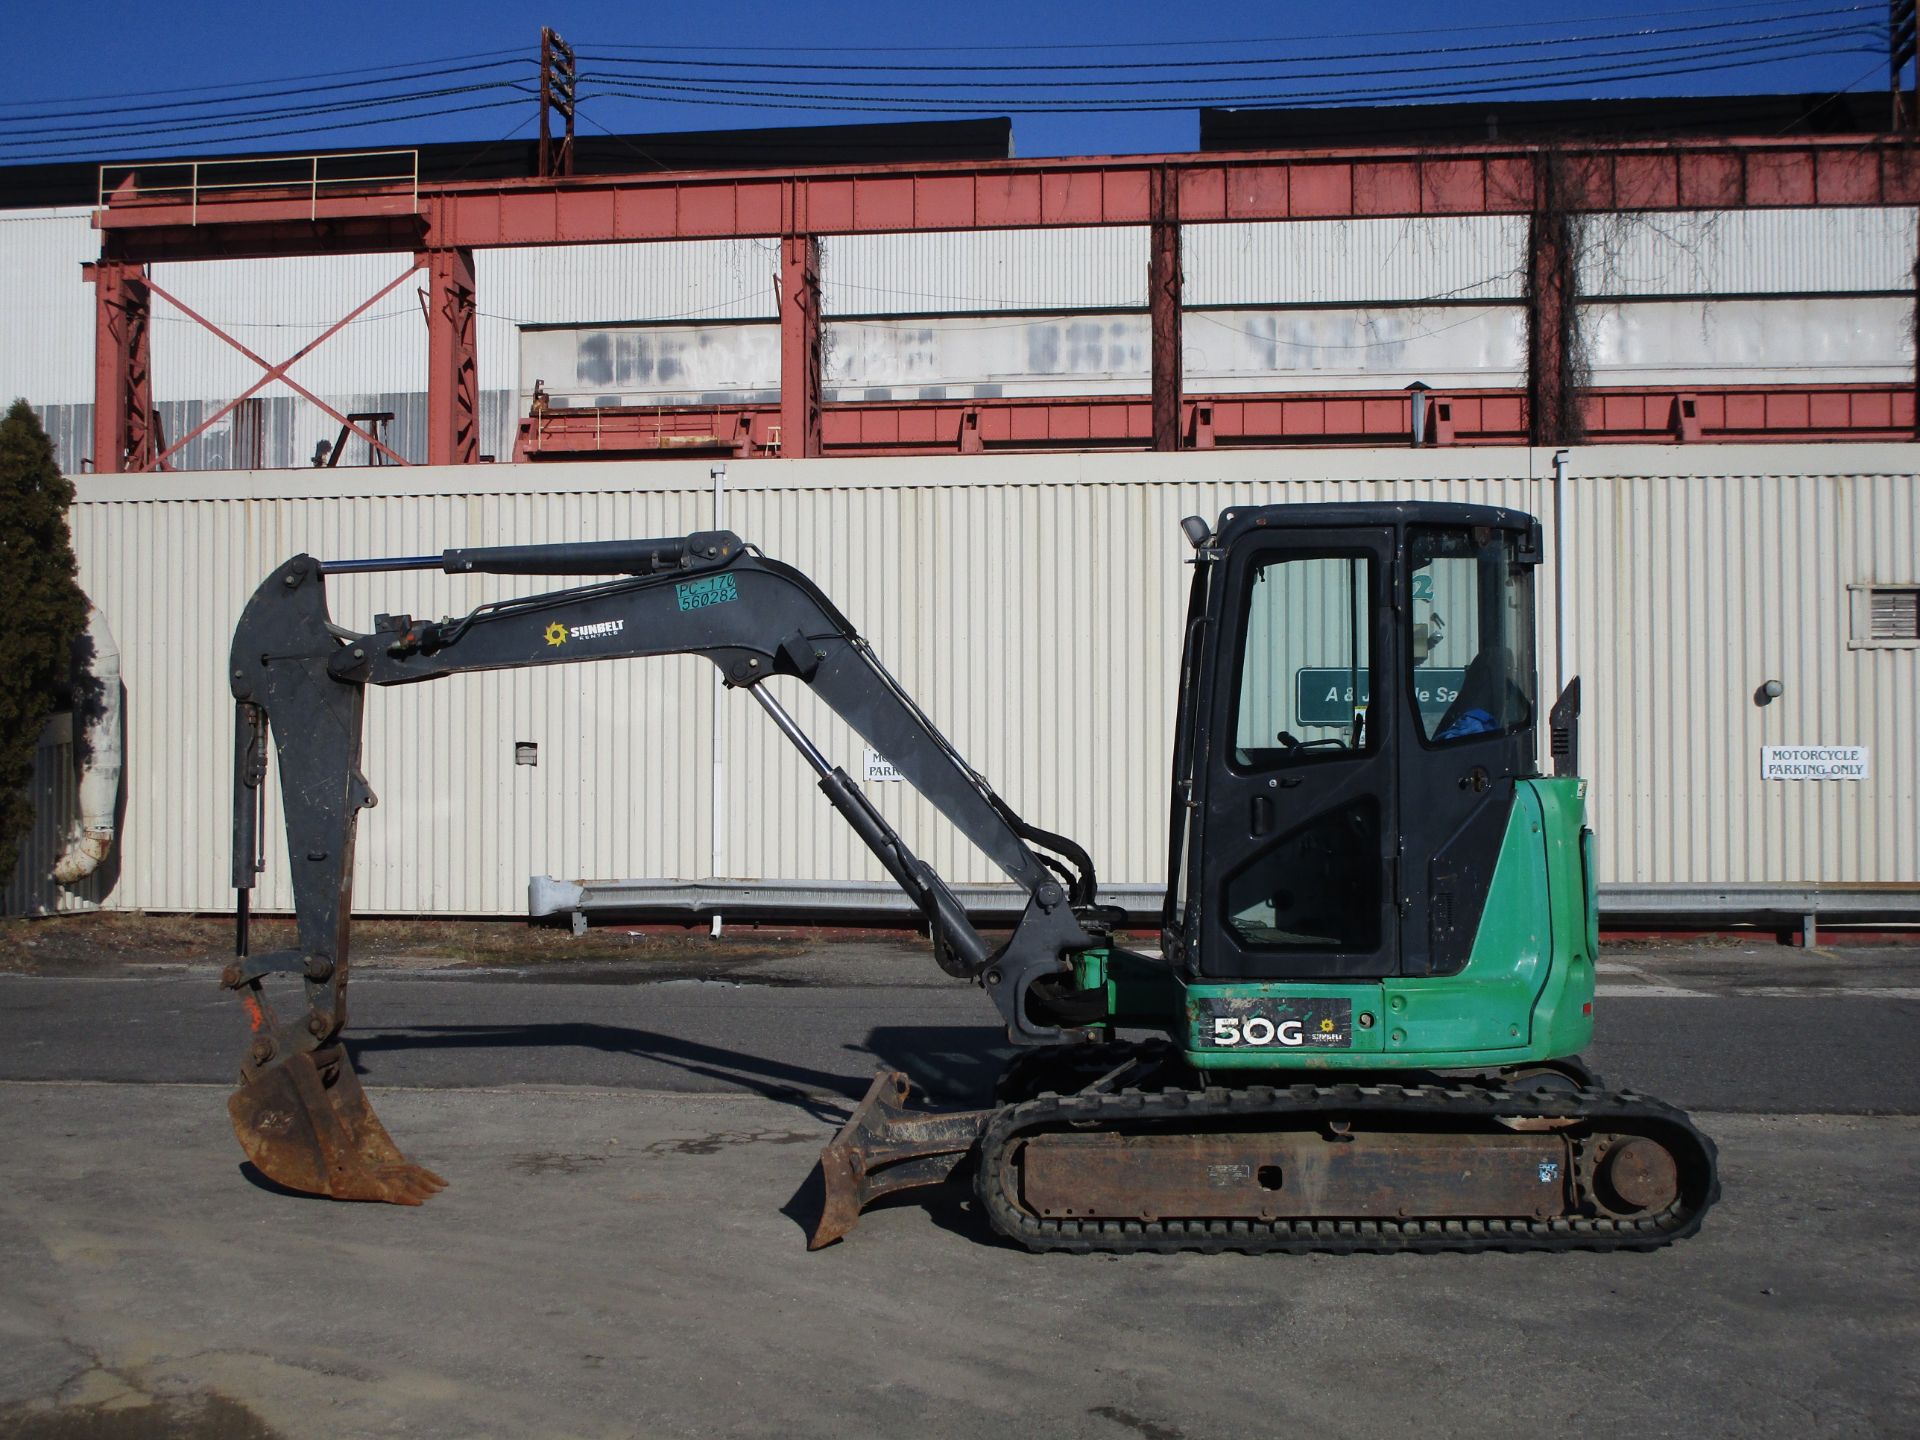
885 1148
307 1125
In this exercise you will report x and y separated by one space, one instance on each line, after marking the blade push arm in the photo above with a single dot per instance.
302 678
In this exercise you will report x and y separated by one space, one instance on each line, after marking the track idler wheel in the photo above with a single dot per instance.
307 1125
1638 1176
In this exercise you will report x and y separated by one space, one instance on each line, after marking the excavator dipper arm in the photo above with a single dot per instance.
300 678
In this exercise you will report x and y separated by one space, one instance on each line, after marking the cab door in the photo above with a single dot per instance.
1467 732
1294 767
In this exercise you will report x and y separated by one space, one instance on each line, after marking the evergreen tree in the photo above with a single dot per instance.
42 611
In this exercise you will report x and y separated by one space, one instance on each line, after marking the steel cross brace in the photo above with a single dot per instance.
279 372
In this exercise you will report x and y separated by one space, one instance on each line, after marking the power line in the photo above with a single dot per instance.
161 149
1700 48
434 74
334 107
1161 45
669 93
1425 52
242 84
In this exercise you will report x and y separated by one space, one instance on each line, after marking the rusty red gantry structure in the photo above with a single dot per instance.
443 223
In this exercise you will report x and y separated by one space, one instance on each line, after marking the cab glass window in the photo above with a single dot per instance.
1306 660
1471 633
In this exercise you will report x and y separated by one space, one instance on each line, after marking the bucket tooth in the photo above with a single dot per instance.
307 1125
884 1148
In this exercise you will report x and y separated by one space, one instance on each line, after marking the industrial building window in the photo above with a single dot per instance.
1884 616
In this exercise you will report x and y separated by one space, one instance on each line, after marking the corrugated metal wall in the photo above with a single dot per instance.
1355 262
1033 605
622 774
976 355
1855 338
44 297
977 272
1035 614
650 365
1665 292
1831 251
1694 589
1356 347
46 316
378 363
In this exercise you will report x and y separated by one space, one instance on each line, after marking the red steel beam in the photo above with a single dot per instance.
1552 285
272 372
1728 414
800 355
1163 306
1126 422
453 381
126 431
999 194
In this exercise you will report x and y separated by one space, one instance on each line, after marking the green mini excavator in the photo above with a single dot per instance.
1361 1030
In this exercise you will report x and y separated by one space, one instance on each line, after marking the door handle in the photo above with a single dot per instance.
1475 779
1261 820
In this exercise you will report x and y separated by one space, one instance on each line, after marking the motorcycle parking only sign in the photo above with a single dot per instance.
1813 762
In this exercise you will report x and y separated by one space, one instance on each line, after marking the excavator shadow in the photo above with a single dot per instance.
949 1066
807 1089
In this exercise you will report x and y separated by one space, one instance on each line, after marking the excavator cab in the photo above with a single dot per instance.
1357 712
1361 838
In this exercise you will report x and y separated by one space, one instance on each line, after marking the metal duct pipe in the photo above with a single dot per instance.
99 684
1562 621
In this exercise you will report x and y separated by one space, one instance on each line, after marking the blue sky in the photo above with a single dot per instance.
72 75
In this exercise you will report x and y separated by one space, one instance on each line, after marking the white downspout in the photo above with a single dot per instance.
1562 620
98 691
719 825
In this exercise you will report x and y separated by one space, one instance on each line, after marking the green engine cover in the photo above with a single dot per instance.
1524 995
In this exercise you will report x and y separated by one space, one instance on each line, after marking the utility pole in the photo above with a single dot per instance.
556 96
1900 54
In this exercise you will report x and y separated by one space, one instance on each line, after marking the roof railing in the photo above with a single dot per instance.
317 175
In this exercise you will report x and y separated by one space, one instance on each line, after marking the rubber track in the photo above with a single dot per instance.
1472 1110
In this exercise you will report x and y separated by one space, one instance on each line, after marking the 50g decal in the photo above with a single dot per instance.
1272 1023
1257 1030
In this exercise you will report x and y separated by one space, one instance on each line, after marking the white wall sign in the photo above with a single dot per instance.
879 767
1813 762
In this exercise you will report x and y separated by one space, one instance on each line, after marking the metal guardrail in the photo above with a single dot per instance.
1839 902
1804 905
277 172
817 900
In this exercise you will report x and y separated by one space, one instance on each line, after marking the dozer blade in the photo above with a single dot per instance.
307 1125
884 1148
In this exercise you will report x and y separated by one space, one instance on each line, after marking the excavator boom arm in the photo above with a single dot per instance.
301 678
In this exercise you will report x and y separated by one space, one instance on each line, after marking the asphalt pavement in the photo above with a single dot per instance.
620 1249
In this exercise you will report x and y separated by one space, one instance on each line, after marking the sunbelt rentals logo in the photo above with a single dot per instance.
558 634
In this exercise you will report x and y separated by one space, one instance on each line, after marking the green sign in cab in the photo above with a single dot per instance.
1323 695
